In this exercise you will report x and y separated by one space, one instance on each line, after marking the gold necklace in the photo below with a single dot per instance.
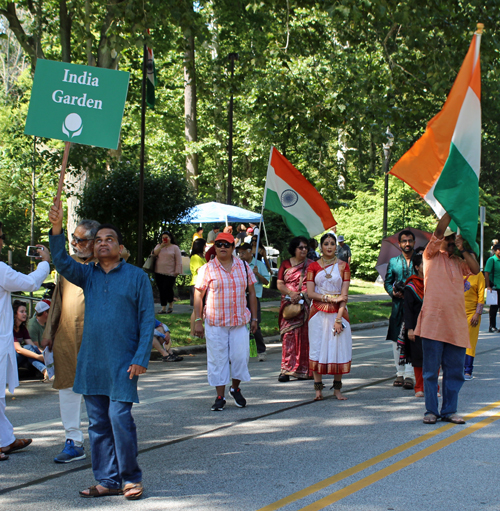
325 263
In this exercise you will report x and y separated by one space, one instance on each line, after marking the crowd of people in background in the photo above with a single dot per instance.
228 275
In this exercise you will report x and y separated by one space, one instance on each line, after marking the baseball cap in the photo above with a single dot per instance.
225 236
448 232
42 306
245 246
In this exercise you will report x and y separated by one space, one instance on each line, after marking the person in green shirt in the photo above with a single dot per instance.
492 278
398 270
36 325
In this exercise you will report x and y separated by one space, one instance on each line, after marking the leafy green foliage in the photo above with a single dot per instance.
113 198
361 222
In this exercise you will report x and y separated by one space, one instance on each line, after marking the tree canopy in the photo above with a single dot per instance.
319 80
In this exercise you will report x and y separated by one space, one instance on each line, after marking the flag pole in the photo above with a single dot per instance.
141 167
262 210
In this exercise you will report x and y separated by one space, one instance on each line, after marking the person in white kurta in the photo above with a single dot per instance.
10 281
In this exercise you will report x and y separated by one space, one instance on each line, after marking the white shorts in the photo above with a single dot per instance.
225 344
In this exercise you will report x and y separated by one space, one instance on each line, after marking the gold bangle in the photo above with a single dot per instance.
338 320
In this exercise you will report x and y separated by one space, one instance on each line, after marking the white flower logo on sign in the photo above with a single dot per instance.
72 125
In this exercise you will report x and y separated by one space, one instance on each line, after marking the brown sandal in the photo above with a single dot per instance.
398 382
3 457
130 487
16 445
93 492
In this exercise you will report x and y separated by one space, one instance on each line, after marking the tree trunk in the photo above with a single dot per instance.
190 126
74 185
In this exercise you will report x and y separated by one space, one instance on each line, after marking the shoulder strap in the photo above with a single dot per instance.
246 271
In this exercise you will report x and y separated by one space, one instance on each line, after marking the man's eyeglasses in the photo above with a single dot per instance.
222 244
302 247
79 240
2 237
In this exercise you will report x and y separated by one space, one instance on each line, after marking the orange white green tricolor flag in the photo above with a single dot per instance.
443 165
292 196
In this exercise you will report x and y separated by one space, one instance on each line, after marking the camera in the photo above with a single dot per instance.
32 251
398 286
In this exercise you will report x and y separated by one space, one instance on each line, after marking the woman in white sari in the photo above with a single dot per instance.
330 340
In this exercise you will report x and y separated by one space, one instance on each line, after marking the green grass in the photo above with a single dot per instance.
362 287
367 312
361 312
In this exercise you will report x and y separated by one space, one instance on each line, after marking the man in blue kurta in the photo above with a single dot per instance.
398 270
111 358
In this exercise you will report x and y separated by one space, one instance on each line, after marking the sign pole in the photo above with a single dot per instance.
63 172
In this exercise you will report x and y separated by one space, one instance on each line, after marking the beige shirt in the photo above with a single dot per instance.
443 317
169 260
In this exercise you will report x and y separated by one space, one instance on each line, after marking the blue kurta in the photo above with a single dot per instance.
118 328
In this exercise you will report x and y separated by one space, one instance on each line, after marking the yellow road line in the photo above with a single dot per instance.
391 469
369 463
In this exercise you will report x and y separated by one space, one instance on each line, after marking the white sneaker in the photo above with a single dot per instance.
262 357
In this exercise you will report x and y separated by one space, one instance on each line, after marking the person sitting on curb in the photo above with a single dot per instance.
164 346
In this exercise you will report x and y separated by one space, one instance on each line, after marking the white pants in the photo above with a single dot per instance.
6 429
70 405
224 344
407 370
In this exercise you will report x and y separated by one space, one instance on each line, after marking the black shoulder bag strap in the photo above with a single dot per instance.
246 289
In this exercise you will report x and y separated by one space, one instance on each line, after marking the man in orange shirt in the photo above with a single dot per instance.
225 280
442 323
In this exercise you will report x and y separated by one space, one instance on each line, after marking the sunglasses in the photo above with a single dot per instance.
223 244
79 240
302 247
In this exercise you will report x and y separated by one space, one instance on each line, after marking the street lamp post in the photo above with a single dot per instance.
232 57
387 156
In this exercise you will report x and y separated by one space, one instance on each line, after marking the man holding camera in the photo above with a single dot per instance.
398 270
11 281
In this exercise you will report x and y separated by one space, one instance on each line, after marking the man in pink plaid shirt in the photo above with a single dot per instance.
225 281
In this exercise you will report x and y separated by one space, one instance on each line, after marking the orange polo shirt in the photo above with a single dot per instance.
443 317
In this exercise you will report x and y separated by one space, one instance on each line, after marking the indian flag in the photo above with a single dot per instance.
443 165
151 79
292 196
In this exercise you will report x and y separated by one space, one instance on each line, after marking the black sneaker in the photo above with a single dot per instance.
219 404
241 402
492 329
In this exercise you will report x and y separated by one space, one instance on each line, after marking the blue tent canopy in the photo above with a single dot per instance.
215 212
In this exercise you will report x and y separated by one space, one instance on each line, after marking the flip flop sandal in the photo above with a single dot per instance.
133 486
430 419
455 419
94 492
398 382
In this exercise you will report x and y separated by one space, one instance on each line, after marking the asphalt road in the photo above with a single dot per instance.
283 451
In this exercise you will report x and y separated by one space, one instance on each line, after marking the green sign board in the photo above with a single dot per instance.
74 103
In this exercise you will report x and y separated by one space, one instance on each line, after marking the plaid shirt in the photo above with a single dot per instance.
226 303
